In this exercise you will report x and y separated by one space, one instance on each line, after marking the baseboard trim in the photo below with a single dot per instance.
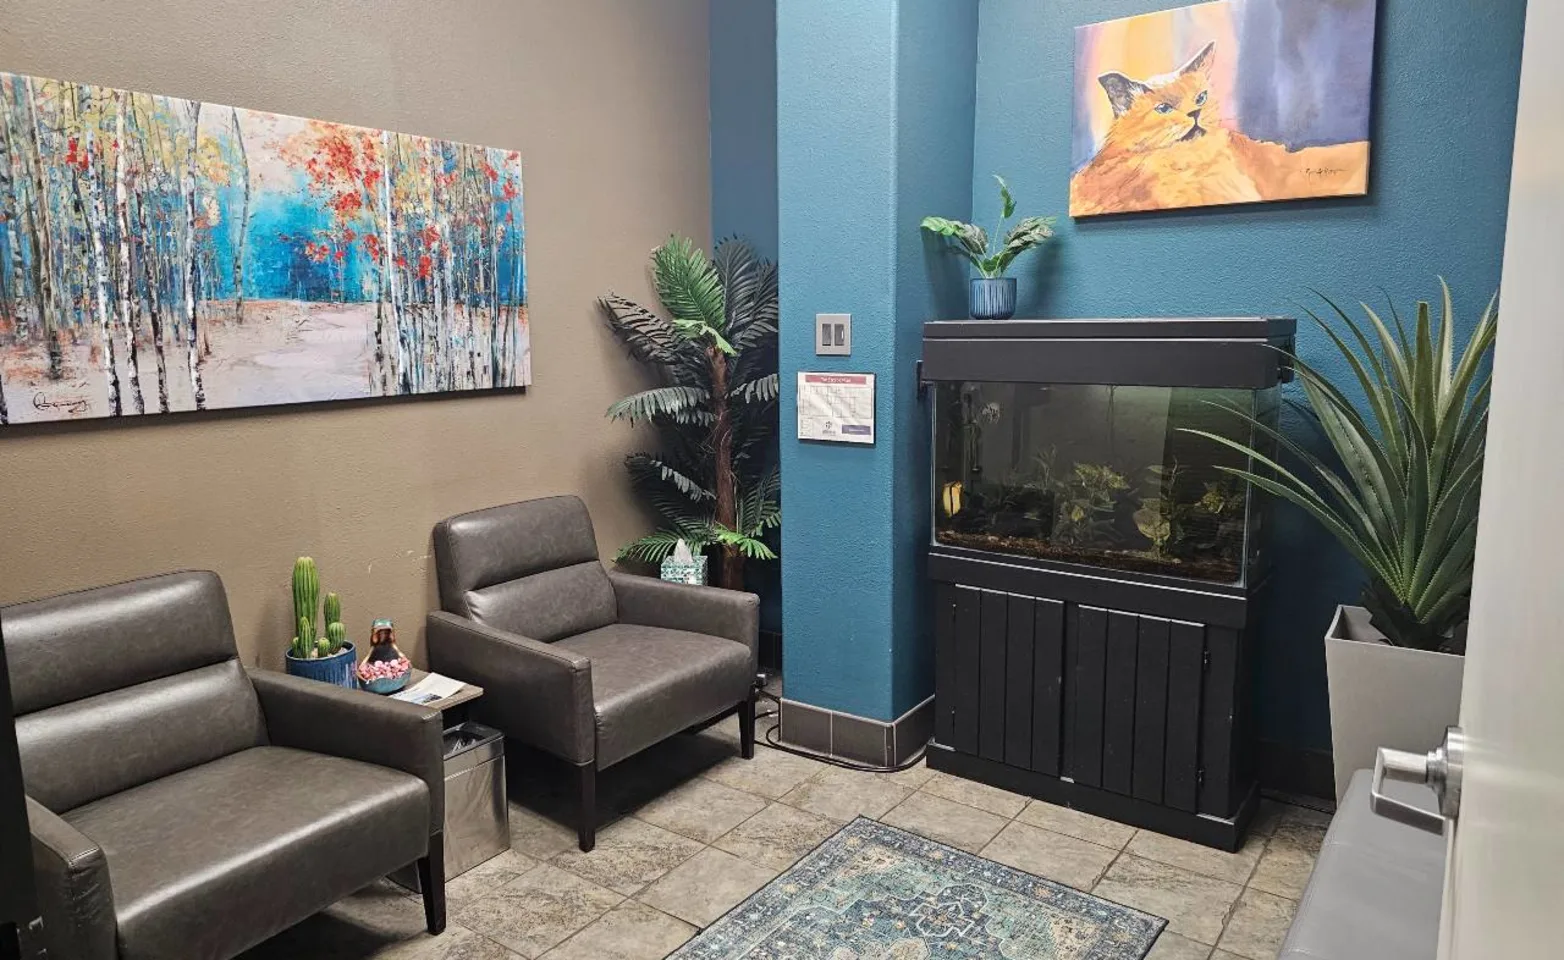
847 736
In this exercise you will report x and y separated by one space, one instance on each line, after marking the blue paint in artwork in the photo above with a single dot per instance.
1304 69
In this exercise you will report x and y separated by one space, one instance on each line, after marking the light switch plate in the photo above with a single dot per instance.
833 334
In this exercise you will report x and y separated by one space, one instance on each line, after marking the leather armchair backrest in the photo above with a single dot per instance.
118 686
530 568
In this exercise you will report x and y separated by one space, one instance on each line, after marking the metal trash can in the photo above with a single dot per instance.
477 820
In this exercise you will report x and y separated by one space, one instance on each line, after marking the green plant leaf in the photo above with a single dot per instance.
681 404
1006 201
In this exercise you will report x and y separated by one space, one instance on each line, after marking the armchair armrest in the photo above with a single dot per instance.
74 894
650 602
322 718
536 692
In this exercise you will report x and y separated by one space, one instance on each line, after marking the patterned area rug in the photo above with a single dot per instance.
873 892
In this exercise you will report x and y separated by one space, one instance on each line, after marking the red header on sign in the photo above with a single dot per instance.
856 379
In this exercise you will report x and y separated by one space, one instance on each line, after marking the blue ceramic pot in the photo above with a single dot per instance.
992 298
337 668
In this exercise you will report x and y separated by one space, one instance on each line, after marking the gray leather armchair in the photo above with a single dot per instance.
181 807
588 665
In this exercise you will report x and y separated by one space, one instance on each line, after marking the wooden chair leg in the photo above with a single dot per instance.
586 810
747 726
431 880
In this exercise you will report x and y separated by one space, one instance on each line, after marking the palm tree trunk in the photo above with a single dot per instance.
731 572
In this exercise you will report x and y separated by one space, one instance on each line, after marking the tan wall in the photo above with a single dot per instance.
607 101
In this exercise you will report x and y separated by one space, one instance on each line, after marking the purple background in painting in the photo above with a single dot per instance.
1305 70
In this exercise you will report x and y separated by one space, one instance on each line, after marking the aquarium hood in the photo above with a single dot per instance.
1232 352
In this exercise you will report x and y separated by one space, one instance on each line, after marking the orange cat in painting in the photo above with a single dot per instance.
1168 148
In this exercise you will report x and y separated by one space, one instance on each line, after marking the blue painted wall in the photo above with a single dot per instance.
743 95
1444 111
744 122
875 113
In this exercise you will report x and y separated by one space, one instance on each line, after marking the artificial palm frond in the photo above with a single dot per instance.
764 389
715 489
1404 501
692 292
644 467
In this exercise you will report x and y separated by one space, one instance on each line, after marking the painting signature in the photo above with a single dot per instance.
71 405
1323 171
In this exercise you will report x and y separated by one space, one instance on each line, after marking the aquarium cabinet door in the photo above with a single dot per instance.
1130 716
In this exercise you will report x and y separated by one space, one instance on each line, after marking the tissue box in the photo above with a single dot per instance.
692 571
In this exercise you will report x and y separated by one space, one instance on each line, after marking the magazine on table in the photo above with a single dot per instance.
430 689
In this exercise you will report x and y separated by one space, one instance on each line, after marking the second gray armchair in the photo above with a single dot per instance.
588 665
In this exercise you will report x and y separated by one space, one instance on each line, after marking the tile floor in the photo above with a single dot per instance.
697 829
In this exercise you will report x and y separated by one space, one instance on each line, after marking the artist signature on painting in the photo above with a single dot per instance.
71 405
1323 171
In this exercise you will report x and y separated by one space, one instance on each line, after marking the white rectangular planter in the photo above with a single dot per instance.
1384 696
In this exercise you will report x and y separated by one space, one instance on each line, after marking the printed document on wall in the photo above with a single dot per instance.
836 407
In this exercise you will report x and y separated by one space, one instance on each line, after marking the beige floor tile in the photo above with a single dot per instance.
629 855
485 878
538 910
1292 813
1224 955
974 794
777 836
1284 868
1171 946
1074 823
1232 867
914 776
538 836
1067 860
456 943
963 827
701 809
1194 905
630 931
770 774
839 794
1303 834
1258 925
1267 817
706 886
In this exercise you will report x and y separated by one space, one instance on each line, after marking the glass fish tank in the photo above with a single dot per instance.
1108 475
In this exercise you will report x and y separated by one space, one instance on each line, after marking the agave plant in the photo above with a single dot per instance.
972 241
713 483
1404 502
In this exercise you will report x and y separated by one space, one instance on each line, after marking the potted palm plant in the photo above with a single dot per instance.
1403 502
715 482
991 294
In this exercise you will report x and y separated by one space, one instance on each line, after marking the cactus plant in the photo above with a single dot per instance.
304 640
337 635
306 593
331 609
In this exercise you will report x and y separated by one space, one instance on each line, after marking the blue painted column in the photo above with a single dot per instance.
875 110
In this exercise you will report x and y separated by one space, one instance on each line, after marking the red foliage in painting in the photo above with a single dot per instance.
425 267
372 246
510 190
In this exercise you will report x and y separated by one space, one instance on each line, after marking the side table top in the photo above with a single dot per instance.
466 694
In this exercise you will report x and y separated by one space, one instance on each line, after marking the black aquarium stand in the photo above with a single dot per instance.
1121 693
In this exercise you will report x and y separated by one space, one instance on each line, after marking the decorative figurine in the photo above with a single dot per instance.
385 670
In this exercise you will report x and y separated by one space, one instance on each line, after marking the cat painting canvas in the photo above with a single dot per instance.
1236 101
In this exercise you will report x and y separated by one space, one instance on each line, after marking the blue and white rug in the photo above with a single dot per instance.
873 892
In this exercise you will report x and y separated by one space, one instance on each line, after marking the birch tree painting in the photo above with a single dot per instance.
161 255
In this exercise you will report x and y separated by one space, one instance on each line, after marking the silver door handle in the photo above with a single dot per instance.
1439 769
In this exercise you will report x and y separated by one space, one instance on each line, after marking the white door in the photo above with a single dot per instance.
1504 882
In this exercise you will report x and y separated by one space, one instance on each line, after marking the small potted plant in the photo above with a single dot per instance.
992 295
1403 502
329 656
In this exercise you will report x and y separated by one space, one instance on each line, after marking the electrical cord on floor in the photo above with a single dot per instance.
775 744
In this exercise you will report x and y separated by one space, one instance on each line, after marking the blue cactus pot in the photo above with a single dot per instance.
337 668
992 298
